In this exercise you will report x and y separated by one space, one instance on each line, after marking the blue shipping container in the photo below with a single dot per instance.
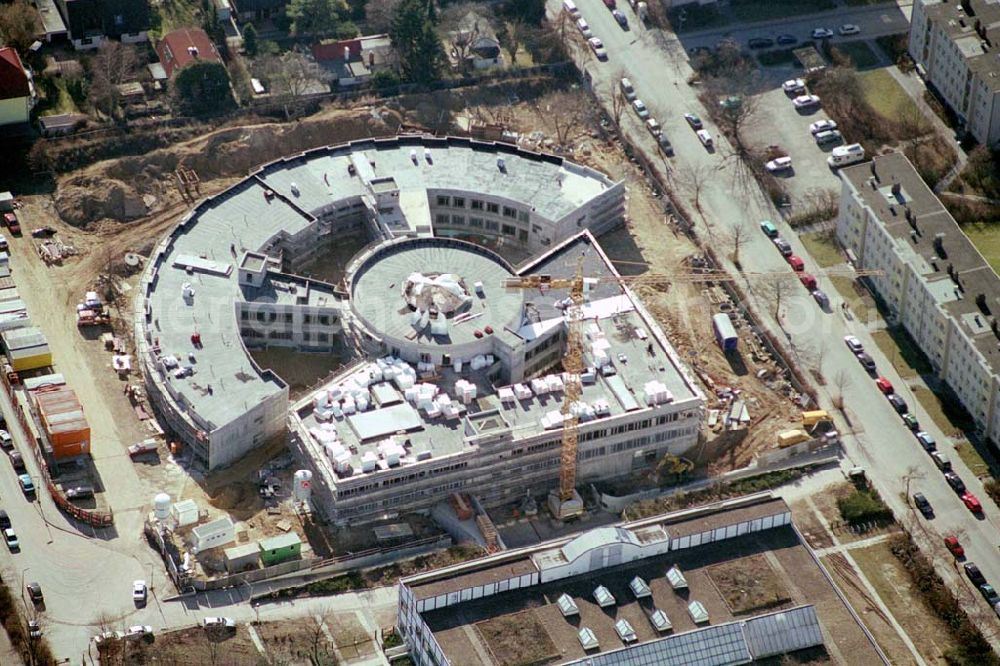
725 334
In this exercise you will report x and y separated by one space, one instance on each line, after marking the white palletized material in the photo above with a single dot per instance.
506 395
539 386
369 461
556 384
522 392
342 462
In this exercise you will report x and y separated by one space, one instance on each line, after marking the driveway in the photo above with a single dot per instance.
876 438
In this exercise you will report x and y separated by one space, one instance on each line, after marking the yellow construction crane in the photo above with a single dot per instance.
566 502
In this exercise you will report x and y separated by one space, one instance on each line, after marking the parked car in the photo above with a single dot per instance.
705 138
34 629
796 262
787 39
43 232
822 126
664 145
955 481
911 422
108 637
654 127
821 299
218 623
808 281
941 461
898 403
142 448
884 385
974 574
849 29
853 344
138 631
989 594
5 440
693 120
822 33
806 101
640 108
760 42
866 361
794 86
139 592
10 537
627 89
972 502
829 136
769 229
4 519
80 492
954 547
779 164
584 27
923 505
27 485
620 17
783 246
597 46
35 592
926 440
16 461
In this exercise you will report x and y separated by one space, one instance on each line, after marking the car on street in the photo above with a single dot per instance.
663 143
705 138
830 136
597 46
821 298
941 461
760 42
923 505
767 226
138 631
926 440
991 596
884 385
640 108
16 461
849 29
5 440
4 519
10 538
866 361
783 246
898 403
34 629
779 164
620 17
218 623
610 4
954 547
139 592
108 637
806 101
821 33
974 574
795 261
27 485
808 281
794 86
80 492
911 422
853 344
627 89
693 120
35 592
584 28
956 483
972 502
787 39
822 126
654 127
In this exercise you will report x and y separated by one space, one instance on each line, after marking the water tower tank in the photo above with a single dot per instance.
161 506
302 485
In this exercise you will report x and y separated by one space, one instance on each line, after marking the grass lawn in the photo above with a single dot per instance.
986 238
57 99
885 95
775 58
942 414
175 14
862 307
749 584
906 357
860 54
967 452
755 10
897 591
822 245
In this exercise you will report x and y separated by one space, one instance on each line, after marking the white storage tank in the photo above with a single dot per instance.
161 506
302 485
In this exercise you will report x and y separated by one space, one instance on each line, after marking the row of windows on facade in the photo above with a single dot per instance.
283 335
477 204
348 492
287 317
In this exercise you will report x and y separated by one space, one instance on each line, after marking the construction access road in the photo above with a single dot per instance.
875 437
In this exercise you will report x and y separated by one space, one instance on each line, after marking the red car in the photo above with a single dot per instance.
971 502
796 263
610 4
808 281
952 544
884 385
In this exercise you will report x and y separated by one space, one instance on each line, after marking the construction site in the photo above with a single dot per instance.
112 254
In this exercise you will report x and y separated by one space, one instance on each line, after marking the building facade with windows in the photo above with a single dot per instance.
934 282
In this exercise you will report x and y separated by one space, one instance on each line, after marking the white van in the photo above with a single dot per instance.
844 155
628 89
570 8
705 138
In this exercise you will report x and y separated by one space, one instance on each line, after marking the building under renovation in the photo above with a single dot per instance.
458 381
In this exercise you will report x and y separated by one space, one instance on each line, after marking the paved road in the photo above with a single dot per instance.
880 442
875 21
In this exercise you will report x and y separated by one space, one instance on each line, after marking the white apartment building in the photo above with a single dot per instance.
935 282
956 46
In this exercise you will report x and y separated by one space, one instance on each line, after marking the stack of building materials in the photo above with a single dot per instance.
540 385
13 314
63 421
391 451
555 383
657 393
465 391
27 349
522 392
369 461
506 395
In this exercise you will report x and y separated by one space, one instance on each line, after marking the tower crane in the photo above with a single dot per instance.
565 502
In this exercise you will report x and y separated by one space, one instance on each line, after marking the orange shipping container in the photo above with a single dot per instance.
70 450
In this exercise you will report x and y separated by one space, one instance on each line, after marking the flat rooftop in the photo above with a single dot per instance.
932 241
975 33
776 553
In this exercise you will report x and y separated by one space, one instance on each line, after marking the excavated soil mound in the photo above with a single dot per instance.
81 200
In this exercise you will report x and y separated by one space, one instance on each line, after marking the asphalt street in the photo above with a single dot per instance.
876 440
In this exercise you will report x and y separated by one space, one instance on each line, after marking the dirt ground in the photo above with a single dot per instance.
518 638
749 585
295 641
193 647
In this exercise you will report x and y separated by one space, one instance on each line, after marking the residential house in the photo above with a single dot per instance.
17 91
474 43
184 46
92 22
353 61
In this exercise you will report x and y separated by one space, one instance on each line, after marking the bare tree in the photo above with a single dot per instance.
510 34
738 236
114 64
840 382
292 75
912 473
618 101
565 113
320 650
693 177
775 288
462 26
380 13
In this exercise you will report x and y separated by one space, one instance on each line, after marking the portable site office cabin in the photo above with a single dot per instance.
725 332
